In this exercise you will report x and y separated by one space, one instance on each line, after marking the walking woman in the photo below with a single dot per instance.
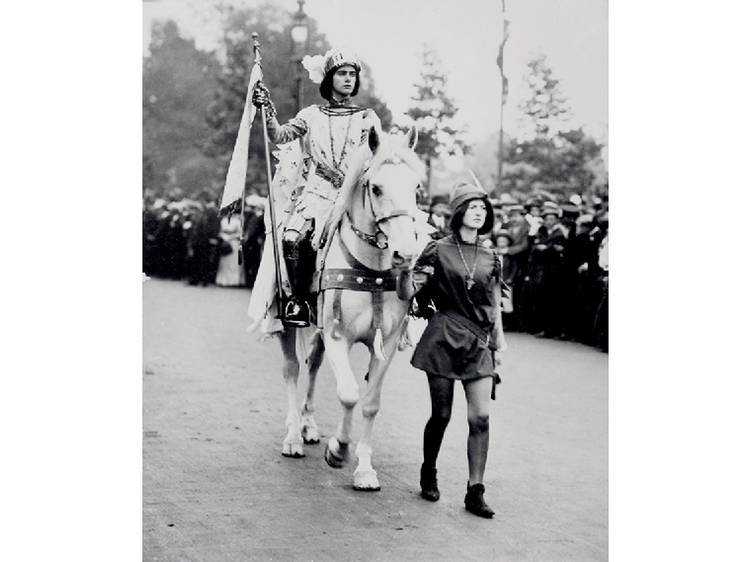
463 339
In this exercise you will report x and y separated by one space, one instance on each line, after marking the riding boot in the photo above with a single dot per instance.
295 311
474 501
428 482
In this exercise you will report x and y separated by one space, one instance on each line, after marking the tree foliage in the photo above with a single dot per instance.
545 110
549 155
193 99
434 112
177 87
279 74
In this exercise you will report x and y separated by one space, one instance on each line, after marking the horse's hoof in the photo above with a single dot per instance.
293 450
336 459
366 481
310 434
310 437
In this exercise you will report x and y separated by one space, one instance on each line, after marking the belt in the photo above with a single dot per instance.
480 333
335 177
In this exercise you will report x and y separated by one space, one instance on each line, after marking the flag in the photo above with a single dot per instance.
234 186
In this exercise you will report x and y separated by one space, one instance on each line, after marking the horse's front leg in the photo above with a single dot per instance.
292 444
309 428
365 477
337 352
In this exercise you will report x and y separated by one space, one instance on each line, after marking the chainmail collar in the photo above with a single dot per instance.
344 102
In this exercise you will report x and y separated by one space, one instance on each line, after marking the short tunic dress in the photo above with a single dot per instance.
457 342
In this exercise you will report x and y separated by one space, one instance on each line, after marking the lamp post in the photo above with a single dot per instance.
503 91
300 37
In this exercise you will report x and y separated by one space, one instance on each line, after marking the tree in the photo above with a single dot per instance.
434 114
548 155
225 110
545 110
177 87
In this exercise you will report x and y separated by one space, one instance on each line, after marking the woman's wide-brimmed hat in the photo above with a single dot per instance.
551 209
506 233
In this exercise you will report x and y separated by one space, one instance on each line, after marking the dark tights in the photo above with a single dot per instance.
477 397
441 395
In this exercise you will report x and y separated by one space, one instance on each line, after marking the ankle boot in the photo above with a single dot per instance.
428 482
474 501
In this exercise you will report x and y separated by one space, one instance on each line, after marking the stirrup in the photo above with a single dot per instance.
296 313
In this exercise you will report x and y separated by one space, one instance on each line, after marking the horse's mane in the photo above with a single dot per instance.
392 149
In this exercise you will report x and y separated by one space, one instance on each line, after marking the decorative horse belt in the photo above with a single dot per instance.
358 278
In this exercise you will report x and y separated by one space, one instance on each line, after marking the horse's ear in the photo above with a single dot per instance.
373 139
413 137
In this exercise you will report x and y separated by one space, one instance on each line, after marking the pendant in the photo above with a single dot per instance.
469 282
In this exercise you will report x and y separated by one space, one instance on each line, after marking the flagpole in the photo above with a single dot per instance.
271 209
503 91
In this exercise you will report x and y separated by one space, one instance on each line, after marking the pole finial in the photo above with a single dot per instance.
256 46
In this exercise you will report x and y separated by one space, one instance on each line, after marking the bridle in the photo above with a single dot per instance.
378 239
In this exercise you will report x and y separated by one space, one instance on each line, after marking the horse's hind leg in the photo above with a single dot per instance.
309 428
365 477
292 444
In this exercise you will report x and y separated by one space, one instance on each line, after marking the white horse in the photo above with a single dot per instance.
370 237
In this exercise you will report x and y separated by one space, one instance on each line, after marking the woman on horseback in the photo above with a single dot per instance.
464 337
329 135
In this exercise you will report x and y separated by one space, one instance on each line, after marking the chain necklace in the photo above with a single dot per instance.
337 165
469 277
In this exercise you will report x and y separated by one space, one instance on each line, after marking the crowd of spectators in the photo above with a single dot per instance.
555 263
555 254
185 239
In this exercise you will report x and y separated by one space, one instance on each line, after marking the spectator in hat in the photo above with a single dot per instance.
533 215
254 237
175 241
601 319
230 273
517 253
439 216
204 243
583 253
500 216
504 241
151 211
545 274
569 314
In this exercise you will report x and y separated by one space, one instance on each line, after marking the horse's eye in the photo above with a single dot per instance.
376 190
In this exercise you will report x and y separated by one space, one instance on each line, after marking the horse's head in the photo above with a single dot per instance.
390 192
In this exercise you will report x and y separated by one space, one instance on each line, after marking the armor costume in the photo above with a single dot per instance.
328 135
